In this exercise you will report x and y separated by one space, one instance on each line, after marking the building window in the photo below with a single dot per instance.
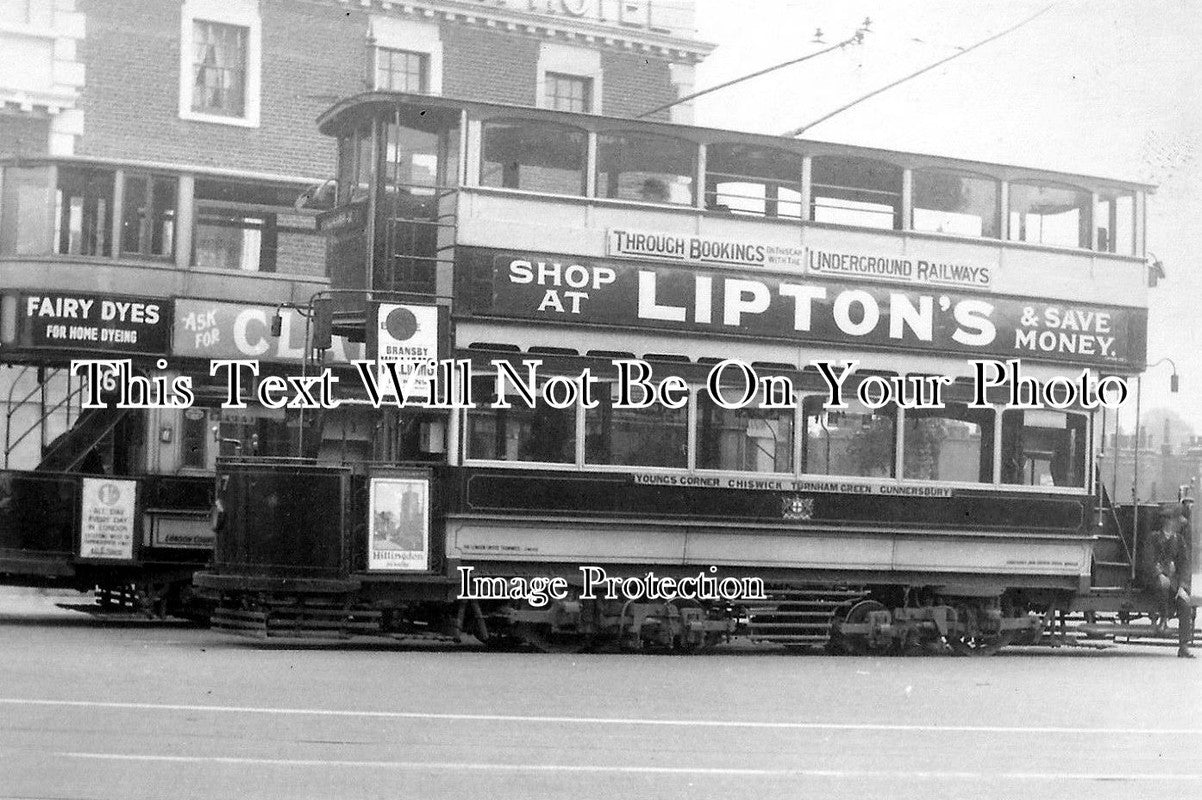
219 68
148 216
219 59
402 71
569 93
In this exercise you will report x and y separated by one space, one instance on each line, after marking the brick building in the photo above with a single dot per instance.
154 152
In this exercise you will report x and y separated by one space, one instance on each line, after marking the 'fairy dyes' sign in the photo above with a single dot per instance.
796 307
87 323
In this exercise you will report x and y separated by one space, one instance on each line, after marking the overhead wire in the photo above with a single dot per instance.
912 75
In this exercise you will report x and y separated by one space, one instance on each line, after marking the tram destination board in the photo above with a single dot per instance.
798 307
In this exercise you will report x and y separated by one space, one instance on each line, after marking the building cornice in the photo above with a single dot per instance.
557 27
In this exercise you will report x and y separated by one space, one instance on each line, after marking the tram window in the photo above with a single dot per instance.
84 212
856 441
744 179
956 203
540 434
948 444
148 216
1043 448
647 437
653 169
236 228
1052 215
536 156
1114 217
354 165
856 191
25 211
244 434
747 439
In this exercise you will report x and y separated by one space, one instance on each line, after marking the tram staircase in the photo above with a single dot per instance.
797 615
1113 556
67 431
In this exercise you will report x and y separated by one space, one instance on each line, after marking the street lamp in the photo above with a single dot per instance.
1174 382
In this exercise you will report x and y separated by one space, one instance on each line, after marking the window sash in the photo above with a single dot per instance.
219 68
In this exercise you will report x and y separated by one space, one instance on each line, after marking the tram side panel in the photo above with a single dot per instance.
513 519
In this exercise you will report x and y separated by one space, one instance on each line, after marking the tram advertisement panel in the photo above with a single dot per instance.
216 329
399 524
106 524
799 307
93 323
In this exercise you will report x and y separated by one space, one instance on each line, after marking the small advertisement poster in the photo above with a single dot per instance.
399 528
106 525
407 337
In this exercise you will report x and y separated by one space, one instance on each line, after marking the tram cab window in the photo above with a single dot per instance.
535 156
354 165
652 169
747 439
1114 218
1043 448
955 203
856 191
948 444
1052 215
745 179
648 437
540 434
857 441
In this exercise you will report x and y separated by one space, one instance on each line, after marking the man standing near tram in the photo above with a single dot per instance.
1168 572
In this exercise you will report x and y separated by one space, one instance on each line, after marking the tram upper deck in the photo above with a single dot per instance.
629 233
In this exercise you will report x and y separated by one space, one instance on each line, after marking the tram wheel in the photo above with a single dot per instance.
545 640
972 641
858 644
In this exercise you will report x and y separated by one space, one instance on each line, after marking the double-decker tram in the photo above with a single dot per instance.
737 279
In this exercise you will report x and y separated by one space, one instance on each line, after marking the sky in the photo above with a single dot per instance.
1105 87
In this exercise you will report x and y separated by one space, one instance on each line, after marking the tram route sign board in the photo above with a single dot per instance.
106 519
842 313
94 323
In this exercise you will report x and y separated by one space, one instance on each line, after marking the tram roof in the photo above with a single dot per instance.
351 110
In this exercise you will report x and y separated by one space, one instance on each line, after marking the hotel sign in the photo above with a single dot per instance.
797 307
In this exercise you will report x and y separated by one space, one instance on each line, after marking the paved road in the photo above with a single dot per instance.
152 711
